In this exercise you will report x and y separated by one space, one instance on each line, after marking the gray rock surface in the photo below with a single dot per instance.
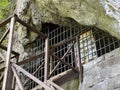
102 73
104 14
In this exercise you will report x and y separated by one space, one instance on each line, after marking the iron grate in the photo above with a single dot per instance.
93 44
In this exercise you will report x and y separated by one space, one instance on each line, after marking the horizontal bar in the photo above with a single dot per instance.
61 58
62 42
3 23
26 81
31 28
63 61
30 59
14 57
31 76
5 48
2 62
55 85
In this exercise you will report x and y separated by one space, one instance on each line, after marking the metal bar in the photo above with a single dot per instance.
7 80
62 42
14 79
5 48
31 59
13 82
3 23
61 58
17 79
2 67
46 59
1 61
1 77
14 56
31 28
4 36
63 61
55 85
3 58
51 64
78 58
33 73
31 76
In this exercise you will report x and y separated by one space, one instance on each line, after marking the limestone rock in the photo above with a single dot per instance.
104 14
102 73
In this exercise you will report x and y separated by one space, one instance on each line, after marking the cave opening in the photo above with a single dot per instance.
93 41
105 42
57 34
93 44
48 27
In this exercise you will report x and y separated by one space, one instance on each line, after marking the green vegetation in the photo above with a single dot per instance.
4 4
4 12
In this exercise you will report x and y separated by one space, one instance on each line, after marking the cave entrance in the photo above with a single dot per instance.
104 42
58 34
93 44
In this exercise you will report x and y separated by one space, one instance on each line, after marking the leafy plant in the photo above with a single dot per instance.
4 4
4 12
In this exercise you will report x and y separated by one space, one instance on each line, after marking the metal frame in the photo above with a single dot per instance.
12 68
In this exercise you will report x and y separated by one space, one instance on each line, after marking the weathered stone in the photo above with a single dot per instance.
102 73
103 14
71 85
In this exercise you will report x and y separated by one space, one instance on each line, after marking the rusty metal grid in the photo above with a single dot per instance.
96 43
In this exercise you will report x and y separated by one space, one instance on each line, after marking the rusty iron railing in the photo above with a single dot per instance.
55 52
12 69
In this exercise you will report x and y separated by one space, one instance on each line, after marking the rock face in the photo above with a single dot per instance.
104 14
102 73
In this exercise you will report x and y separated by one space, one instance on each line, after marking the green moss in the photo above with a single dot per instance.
72 84
4 4
4 12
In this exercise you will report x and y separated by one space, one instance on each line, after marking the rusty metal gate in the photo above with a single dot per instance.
53 53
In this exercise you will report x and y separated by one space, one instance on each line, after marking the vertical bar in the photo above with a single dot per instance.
78 58
87 48
104 44
7 77
1 77
17 79
113 40
51 64
14 79
46 59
